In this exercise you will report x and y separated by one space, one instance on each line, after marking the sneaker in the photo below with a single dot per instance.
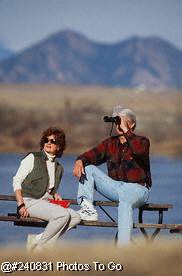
31 242
87 214
87 211
87 204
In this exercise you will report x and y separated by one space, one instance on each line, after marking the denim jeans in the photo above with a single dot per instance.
129 195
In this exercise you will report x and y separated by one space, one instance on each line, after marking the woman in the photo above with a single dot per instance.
36 181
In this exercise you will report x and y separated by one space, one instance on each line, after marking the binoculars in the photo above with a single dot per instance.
110 119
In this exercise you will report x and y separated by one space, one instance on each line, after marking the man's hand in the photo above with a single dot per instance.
124 124
78 169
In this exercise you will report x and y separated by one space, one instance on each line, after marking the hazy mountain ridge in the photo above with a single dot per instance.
70 58
4 52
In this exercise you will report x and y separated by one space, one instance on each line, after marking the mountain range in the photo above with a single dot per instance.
70 58
4 52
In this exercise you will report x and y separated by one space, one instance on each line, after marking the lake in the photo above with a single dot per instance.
167 188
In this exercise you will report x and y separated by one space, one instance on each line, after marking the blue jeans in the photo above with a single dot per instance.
129 195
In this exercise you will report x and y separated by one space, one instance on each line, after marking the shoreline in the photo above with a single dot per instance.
25 111
67 154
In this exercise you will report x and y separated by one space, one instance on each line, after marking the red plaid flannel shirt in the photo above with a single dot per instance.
128 162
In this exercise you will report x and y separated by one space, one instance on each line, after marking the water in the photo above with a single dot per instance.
167 188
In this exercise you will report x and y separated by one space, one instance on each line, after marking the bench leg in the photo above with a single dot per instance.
107 214
113 220
157 230
116 238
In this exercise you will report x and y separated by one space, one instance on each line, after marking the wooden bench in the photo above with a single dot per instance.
159 208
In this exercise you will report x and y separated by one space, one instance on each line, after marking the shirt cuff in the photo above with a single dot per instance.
84 160
129 134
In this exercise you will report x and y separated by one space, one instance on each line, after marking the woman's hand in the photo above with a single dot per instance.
78 169
23 212
57 197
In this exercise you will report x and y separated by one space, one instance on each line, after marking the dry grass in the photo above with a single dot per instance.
159 258
25 110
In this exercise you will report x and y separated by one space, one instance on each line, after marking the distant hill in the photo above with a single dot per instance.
4 52
70 58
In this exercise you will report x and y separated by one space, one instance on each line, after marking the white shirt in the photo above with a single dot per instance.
26 166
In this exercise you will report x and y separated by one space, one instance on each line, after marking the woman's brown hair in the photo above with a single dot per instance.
59 137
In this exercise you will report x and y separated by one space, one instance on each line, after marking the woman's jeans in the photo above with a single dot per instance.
129 195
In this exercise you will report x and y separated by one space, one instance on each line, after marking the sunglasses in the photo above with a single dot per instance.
52 141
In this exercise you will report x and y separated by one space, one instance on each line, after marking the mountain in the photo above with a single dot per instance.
4 52
70 58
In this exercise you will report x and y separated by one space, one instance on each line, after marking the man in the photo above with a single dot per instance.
129 177
36 181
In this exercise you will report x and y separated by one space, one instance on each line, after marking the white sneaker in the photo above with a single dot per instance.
88 215
31 242
87 211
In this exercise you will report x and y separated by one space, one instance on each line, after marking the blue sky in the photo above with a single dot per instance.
25 22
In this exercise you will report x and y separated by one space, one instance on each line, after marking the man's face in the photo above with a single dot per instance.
50 145
124 126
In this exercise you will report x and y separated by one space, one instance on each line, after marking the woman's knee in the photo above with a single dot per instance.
67 215
76 218
63 214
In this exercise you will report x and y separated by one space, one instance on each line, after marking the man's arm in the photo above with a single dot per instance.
95 156
139 145
78 169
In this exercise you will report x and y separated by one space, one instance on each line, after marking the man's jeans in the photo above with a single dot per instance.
129 195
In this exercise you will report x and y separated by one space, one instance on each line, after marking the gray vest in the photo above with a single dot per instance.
36 183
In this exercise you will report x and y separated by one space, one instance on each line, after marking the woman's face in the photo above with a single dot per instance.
50 145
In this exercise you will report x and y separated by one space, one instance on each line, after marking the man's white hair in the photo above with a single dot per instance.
124 112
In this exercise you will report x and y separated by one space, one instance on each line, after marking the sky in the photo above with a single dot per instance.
26 22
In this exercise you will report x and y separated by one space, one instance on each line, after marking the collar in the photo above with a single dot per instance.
118 142
49 157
